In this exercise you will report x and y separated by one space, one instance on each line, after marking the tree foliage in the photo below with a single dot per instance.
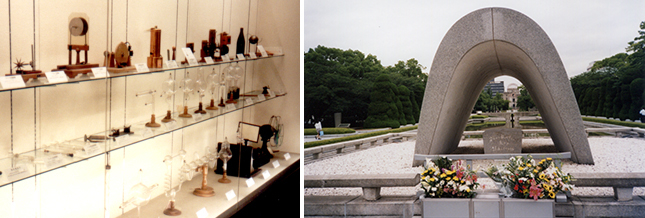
614 86
343 81
383 110
488 102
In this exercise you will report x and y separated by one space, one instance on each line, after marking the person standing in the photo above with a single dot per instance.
642 112
318 126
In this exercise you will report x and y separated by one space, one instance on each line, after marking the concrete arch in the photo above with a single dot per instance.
482 45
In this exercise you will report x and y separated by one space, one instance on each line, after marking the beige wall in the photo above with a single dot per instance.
35 118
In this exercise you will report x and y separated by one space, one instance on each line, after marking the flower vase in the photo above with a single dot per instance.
516 207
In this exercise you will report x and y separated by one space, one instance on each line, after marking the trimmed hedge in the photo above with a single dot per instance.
478 116
615 122
357 136
326 131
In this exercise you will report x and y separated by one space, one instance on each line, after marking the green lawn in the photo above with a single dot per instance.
357 136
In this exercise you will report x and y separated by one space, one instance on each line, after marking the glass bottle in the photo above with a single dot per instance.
240 42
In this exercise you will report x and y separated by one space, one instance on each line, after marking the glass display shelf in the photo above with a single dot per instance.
219 205
51 157
42 81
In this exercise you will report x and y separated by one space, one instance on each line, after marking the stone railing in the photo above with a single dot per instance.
616 131
623 183
470 157
329 150
371 183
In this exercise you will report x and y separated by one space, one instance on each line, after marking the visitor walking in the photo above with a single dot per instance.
318 126
642 115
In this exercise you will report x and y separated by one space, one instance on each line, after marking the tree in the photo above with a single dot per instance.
636 89
382 110
404 96
416 110
524 101
626 100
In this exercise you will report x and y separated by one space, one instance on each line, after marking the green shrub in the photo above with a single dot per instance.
327 131
615 122
478 116
357 136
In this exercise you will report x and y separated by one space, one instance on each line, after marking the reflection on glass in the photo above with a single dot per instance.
170 191
213 84
201 164
187 86
200 86
150 93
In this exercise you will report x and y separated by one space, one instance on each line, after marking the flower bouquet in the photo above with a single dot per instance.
529 179
445 178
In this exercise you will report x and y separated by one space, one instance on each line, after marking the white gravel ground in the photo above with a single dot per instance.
610 155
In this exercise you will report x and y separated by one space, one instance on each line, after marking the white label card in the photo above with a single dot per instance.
230 107
170 125
190 56
141 67
56 77
171 64
248 101
262 51
230 195
92 149
275 163
266 174
240 57
250 182
287 156
261 97
54 161
253 56
225 58
197 117
209 60
100 72
18 172
8 82
202 213
271 93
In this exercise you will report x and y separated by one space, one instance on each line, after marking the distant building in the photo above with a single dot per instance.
495 87
512 94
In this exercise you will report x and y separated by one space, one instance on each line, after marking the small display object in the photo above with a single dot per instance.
188 87
263 155
150 93
155 60
212 44
225 155
168 91
222 87
233 75
213 85
184 175
200 86
78 38
119 60
27 74
224 41
117 132
254 40
202 165
139 195
240 42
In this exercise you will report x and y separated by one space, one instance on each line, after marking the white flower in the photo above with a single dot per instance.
434 189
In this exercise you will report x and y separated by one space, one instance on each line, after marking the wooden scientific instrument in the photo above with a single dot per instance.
119 60
78 28
205 190
224 41
28 74
150 93
155 60
192 49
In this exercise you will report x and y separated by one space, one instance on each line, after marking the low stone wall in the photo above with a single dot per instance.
325 151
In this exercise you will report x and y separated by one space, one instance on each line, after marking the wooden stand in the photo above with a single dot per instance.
221 102
171 210
168 117
200 110
186 114
28 74
152 122
212 105
224 179
204 191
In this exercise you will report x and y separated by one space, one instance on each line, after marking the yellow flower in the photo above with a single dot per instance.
423 178
548 158
468 190
455 178
520 168
542 176
449 172
432 179
528 165
525 191
535 171
442 175
551 194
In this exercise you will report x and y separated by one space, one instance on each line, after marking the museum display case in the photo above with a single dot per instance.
97 121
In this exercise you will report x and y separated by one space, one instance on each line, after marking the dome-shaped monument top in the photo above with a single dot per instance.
480 46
